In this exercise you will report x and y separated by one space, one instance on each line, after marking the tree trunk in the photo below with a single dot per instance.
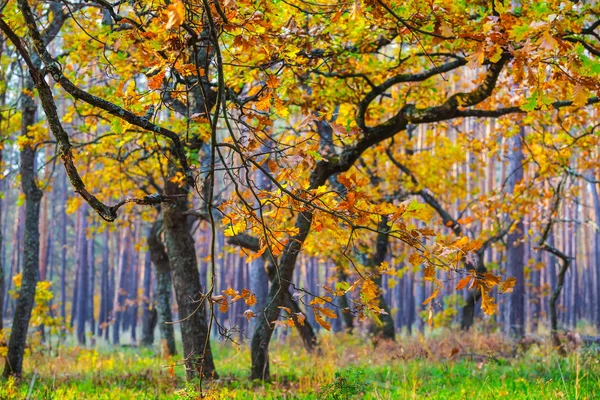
385 329
103 316
149 311
63 254
553 300
259 285
2 287
186 280
279 288
160 260
132 287
33 197
83 278
92 284
119 302
515 312
596 213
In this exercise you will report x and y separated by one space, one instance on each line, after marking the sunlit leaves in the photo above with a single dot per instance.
176 14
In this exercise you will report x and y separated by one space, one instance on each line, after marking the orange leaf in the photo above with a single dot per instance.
433 296
464 282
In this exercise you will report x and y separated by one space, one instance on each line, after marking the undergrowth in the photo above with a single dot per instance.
442 366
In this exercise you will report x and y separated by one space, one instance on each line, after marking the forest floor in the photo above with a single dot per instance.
441 366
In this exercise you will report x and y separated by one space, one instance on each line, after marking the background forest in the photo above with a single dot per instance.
372 199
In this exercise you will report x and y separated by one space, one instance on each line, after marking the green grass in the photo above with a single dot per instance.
344 368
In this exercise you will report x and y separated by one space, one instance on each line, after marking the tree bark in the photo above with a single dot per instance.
186 280
160 260
33 197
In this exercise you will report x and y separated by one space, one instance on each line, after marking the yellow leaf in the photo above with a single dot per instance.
176 14
415 259
487 303
327 312
428 272
322 322
433 296
580 97
508 285
356 13
463 241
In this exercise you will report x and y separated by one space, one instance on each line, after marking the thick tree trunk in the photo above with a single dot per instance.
33 197
160 260
186 280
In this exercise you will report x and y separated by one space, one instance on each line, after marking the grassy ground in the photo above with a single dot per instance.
439 367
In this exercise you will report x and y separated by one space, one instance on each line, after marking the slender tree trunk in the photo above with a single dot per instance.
83 275
103 316
63 242
132 311
92 284
596 202
553 300
385 329
160 260
2 185
33 197
120 293
2 286
149 311
515 317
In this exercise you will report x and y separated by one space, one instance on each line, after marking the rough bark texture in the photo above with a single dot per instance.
160 260
186 281
33 197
